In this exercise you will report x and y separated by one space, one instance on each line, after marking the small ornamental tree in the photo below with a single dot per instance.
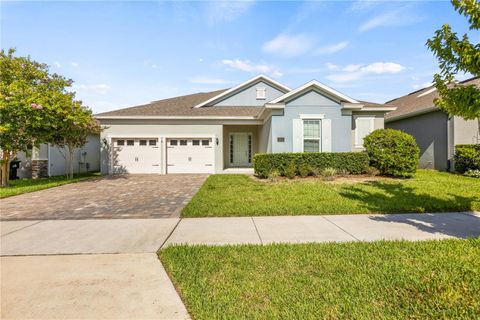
392 152
458 54
75 123
26 115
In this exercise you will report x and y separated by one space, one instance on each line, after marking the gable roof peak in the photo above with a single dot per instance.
315 83
242 85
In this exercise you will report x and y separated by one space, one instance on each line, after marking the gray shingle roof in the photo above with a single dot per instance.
183 106
420 100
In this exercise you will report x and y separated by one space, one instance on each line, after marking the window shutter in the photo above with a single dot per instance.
326 135
297 135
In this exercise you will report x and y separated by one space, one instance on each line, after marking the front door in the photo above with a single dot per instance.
241 149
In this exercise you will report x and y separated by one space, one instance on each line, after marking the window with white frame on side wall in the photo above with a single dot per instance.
363 127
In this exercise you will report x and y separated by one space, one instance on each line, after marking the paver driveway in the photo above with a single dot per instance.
125 196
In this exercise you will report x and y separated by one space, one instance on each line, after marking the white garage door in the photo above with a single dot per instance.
131 155
194 155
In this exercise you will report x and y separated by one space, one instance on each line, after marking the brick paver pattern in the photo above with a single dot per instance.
122 196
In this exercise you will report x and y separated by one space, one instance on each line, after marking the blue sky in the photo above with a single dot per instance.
123 53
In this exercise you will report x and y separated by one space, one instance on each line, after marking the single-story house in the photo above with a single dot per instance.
48 160
436 133
214 132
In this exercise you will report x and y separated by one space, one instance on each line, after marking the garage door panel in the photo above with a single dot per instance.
132 155
192 155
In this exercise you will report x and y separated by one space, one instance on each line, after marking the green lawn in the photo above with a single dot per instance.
240 195
377 280
29 185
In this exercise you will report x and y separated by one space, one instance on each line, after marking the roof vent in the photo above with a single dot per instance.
261 93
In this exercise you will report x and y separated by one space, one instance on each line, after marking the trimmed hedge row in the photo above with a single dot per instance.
467 157
351 162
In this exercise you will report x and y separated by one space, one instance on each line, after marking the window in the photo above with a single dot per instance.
195 142
173 142
261 93
280 139
311 136
143 142
205 142
183 142
152 142
363 127
120 142
130 142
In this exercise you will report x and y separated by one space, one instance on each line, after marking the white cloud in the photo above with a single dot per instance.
74 64
363 5
382 67
353 72
400 17
247 66
225 11
57 64
332 66
332 48
98 88
289 45
207 80
150 63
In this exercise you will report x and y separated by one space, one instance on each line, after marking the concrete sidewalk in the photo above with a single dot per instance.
108 268
89 269
303 229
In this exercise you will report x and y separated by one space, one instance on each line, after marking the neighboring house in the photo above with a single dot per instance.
48 160
435 132
214 131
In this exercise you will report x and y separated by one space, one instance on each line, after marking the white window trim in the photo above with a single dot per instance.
358 144
303 132
312 116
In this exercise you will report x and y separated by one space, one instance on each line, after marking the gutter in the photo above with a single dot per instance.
178 117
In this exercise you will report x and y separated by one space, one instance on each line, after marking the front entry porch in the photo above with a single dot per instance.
241 142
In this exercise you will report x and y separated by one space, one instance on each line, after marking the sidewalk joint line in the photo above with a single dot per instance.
351 235
30 225
256 229
170 234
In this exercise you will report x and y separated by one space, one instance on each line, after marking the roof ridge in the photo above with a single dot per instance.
188 95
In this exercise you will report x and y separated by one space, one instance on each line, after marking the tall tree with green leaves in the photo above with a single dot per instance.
27 115
457 54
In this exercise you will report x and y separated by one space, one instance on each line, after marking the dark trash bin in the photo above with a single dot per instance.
14 165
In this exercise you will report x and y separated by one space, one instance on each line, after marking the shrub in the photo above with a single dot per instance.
290 170
467 157
329 173
351 162
273 175
304 170
472 173
392 152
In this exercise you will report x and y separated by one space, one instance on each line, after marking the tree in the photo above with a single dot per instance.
456 55
75 123
27 115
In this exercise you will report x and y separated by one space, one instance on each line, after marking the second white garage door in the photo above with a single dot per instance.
195 155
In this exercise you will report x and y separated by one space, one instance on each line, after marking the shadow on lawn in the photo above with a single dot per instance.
381 197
